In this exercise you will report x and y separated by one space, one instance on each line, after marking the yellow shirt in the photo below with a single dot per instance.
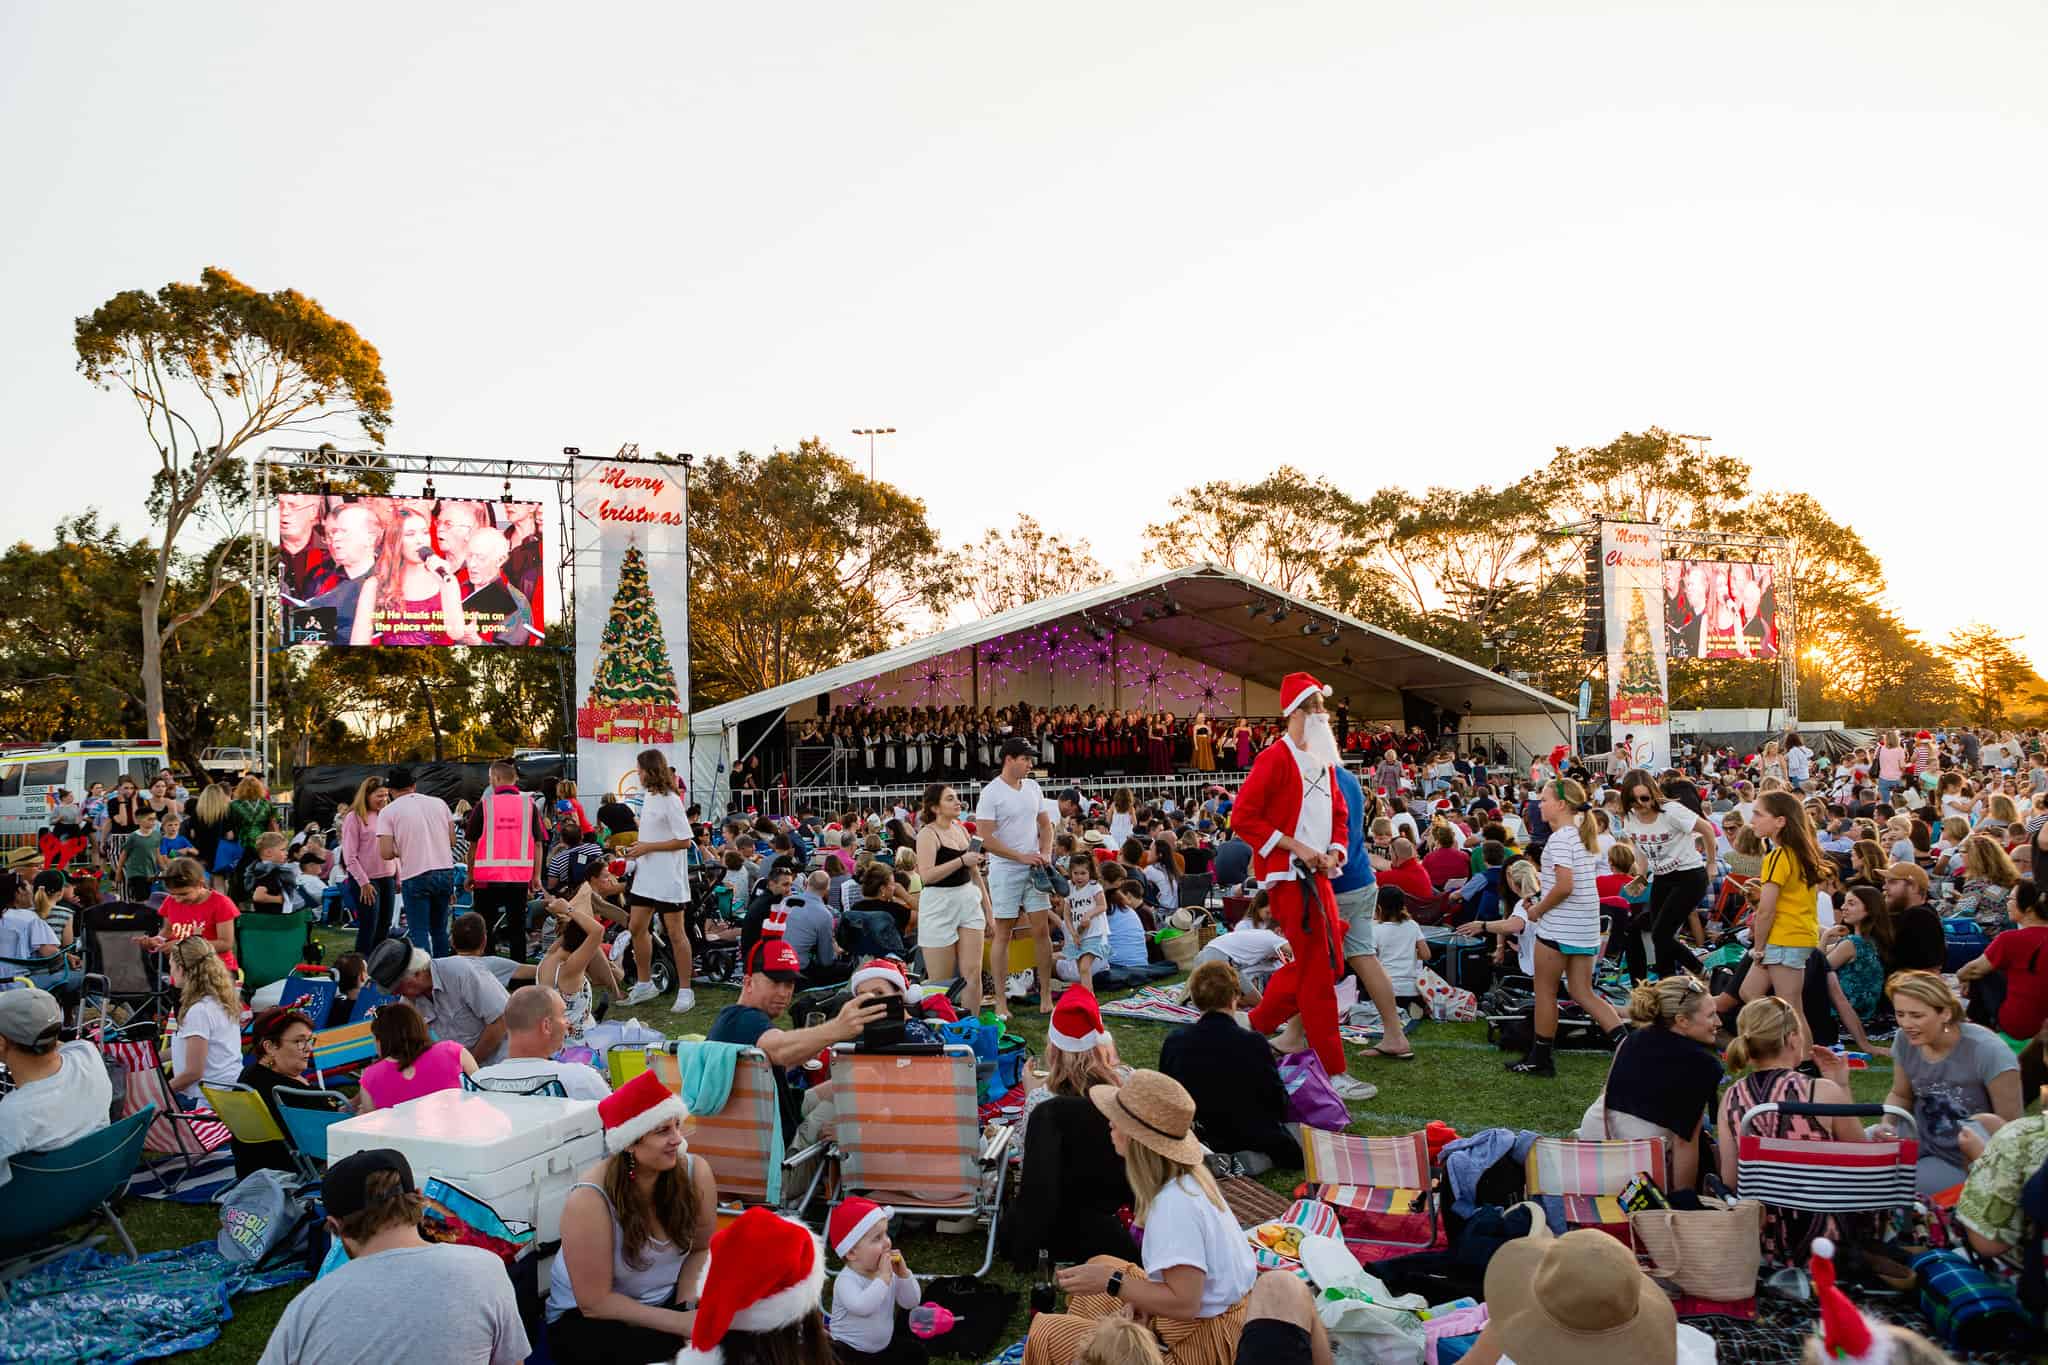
1797 922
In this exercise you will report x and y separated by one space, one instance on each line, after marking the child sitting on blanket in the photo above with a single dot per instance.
1398 941
1086 924
874 1290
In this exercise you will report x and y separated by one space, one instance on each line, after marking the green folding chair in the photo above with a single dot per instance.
269 945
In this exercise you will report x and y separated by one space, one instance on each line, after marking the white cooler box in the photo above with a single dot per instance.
517 1153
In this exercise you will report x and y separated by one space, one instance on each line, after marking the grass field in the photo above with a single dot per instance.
1458 1079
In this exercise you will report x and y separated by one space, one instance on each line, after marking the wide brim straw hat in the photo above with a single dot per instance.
1579 1297
1154 1111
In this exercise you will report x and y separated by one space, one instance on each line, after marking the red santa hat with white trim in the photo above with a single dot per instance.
1076 1024
853 1220
1296 688
1845 1334
766 1273
883 970
636 1109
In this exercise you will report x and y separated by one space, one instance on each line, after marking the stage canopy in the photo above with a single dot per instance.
1179 641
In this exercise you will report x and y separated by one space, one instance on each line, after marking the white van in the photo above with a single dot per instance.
31 778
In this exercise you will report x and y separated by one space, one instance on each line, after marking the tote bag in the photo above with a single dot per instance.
1310 1097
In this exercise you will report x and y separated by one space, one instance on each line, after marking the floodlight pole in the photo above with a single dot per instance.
871 433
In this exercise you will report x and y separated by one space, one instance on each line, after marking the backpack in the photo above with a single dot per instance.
264 1225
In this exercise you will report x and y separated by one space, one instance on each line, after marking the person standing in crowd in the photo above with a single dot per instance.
191 909
1669 837
955 906
208 824
1016 833
1358 895
1786 926
661 881
372 878
398 1296
1565 923
61 1090
1291 810
417 832
506 841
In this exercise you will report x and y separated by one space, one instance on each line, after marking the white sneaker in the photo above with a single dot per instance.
1020 984
686 1000
641 993
1349 1088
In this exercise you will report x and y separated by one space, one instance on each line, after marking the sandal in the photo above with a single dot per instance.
1378 1052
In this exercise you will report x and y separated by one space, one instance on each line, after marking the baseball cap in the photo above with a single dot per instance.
29 1017
776 960
1016 746
343 1190
1907 872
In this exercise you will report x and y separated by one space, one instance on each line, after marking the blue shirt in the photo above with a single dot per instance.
1357 862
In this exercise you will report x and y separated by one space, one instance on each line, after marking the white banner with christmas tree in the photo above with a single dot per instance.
632 620
1632 590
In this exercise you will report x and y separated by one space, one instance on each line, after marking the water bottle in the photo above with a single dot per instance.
1045 1296
929 1320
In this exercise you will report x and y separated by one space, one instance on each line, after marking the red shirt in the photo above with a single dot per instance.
1444 864
2022 954
204 919
1413 879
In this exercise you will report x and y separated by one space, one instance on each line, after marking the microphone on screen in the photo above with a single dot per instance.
437 564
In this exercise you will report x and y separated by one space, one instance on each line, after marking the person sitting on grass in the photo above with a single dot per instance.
1240 1103
1664 1075
1073 1183
537 1028
399 1296
874 1291
61 1090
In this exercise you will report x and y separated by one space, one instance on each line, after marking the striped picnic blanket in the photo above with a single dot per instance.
1159 1005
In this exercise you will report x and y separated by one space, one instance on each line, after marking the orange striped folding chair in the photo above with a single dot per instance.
910 1136
1387 1177
743 1139
1587 1178
187 1134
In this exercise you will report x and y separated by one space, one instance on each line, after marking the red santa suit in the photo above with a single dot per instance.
1291 793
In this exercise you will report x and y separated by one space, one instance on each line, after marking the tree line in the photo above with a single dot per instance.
800 562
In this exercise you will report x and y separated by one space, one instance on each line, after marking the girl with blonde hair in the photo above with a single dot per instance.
1664 1075
1565 922
209 1035
1988 879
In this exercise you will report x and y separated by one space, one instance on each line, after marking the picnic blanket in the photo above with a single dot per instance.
105 1310
1252 1203
1161 1005
164 1177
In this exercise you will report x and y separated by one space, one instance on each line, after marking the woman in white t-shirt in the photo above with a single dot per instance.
1198 1268
208 1045
1669 838
1565 922
661 879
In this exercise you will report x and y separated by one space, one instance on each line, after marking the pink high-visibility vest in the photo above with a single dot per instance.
504 847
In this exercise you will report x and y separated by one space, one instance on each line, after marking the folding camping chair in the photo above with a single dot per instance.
742 1140
1194 891
187 1134
135 977
249 1119
1818 1175
307 1115
50 1190
910 1135
341 1052
313 994
1387 1176
1587 1178
548 1087
368 996
269 945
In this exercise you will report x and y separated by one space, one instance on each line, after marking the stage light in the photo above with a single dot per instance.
1346 660
1330 640
1254 607
572 451
1308 627
1278 614
428 491
1172 607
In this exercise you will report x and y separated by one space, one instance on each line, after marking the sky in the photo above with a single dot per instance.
1084 256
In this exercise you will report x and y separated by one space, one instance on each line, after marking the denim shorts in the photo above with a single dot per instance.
1777 956
1012 891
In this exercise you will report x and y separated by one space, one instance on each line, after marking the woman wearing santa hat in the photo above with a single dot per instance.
761 1296
635 1233
1073 1185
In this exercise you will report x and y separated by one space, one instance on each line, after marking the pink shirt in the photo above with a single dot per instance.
359 850
438 1068
422 829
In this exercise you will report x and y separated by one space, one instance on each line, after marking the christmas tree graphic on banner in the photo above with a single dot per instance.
1638 694
632 697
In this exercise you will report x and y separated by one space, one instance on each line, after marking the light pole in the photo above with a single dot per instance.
871 433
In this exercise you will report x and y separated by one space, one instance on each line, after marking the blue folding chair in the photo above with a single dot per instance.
368 998
313 994
307 1115
50 1190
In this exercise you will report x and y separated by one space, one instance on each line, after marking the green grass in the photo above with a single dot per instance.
1458 1079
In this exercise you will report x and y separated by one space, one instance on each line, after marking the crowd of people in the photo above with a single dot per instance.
1721 922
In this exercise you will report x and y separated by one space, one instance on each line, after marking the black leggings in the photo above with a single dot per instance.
576 1340
1673 898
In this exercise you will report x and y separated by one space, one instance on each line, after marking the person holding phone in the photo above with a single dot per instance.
1670 838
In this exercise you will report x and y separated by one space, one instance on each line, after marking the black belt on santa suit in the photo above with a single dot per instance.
1311 906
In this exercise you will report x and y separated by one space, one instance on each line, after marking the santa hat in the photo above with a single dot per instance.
1558 756
636 1109
1296 688
1844 1332
1076 1024
879 969
853 1220
766 1272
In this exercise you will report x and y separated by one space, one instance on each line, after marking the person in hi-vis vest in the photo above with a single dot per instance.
506 842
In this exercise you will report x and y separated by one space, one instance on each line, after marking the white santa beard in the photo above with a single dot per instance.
1321 741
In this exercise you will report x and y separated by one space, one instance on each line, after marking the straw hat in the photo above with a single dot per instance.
1153 1111
1580 1298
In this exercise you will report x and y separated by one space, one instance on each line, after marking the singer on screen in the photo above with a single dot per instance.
414 597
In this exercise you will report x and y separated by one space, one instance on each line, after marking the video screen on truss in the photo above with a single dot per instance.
1714 609
410 571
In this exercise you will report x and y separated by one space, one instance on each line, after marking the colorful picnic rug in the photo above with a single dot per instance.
166 1177
98 1309
1159 1005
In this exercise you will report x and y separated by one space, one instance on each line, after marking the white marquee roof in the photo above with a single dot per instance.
1213 627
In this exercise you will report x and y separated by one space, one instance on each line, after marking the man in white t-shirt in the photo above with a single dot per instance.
1798 762
1011 822
536 1028
62 1091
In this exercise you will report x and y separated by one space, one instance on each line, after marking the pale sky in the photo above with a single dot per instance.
1086 255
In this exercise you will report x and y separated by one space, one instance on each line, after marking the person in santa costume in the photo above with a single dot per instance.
1291 811
635 1228
761 1296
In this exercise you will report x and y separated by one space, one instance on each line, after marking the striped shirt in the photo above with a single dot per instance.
1575 920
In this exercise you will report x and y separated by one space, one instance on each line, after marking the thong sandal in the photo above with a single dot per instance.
1375 1051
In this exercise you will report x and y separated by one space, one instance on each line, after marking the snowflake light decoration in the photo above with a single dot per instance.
935 682
865 695
1147 676
1209 689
